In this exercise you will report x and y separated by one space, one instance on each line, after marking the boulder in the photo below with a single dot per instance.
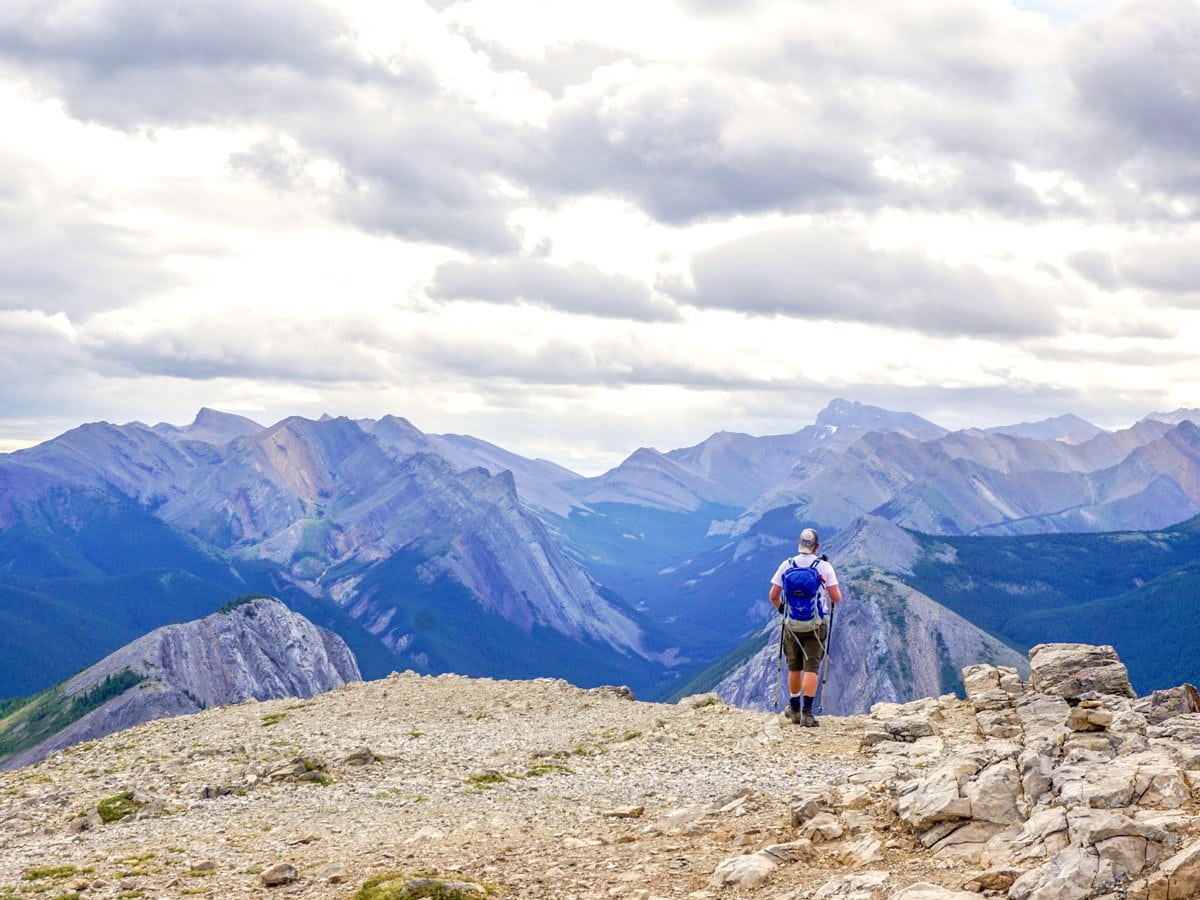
1072 872
742 871
1072 670
279 874
994 794
938 797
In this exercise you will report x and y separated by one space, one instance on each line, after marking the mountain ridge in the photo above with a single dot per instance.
254 648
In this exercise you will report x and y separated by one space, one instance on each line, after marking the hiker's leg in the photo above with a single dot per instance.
808 685
814 650
795 664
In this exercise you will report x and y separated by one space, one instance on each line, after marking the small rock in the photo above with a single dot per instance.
363 756
574 843
334 875
279 874
997 878
621 692
924 890
624 812
823 827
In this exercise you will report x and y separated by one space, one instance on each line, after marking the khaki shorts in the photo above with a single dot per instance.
804 650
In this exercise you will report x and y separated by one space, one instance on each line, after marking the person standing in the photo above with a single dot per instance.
804 642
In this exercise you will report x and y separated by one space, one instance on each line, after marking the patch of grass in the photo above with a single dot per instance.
484 780
400 886
117 807
631 735
136 857
36 718
273 719
547 769
51 873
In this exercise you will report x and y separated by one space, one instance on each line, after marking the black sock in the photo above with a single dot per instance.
808 702
794 703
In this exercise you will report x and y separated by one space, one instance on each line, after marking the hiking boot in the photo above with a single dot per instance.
793 715
808 720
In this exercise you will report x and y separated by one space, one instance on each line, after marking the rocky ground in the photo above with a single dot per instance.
539 789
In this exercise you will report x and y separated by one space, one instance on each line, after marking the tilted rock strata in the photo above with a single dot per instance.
258 650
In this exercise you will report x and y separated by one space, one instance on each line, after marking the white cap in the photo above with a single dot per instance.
809 539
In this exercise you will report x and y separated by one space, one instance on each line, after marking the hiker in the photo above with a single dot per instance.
804 638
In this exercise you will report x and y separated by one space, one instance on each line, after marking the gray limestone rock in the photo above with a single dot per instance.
994 794
1072 670
1073 872
1176 879
1166 704
860 886
279 875
742 871
1038 838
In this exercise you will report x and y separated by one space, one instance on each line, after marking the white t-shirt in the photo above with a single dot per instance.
824 569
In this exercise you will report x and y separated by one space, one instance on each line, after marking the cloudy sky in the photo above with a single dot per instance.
576 228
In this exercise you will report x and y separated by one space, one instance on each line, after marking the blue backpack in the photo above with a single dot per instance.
802 592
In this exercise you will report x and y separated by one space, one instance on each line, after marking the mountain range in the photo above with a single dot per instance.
448 553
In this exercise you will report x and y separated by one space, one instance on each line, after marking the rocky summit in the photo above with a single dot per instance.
1063 785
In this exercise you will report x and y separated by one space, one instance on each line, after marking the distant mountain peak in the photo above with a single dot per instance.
1068 427
216 427
1175 417
841 413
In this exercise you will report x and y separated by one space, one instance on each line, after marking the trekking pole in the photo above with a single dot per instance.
779 667
825 661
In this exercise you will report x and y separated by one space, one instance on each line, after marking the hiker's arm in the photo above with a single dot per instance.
776 591
835 593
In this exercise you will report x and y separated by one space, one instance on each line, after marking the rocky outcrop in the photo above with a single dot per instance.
257 649
1067 786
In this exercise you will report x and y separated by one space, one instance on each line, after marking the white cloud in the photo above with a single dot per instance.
540 209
